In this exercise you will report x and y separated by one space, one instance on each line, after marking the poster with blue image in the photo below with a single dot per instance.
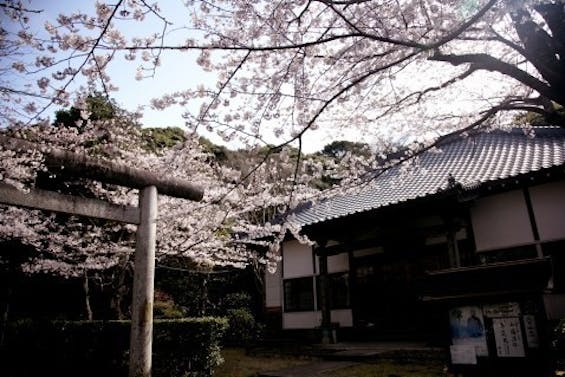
468 328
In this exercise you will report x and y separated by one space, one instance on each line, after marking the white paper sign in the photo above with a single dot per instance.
463 354
508 309
508 337
531 331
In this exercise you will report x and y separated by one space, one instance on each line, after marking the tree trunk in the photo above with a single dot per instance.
203 295
5 317
85 287
259 280
116 303
120 291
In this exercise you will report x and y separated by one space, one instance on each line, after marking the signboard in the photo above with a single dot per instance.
508 309
531 331
508 337
468 328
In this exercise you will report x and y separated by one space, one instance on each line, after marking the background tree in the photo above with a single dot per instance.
97 107
340 148
100 252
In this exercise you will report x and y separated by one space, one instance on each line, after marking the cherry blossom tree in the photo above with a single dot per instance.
384 68
209 233
287 67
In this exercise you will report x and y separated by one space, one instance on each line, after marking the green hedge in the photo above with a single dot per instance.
242 329
181 347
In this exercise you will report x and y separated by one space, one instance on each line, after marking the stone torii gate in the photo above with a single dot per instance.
144 216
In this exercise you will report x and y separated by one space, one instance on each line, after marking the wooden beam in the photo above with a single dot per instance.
81 165
51 201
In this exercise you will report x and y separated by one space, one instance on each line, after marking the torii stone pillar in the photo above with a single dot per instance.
141 336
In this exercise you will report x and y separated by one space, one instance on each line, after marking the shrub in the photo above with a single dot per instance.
187 347
237 300
241 326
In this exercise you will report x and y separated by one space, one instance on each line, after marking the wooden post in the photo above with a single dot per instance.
453 248
451 236
327 337
143 281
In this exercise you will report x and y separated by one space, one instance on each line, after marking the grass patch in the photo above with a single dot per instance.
238 364
386 368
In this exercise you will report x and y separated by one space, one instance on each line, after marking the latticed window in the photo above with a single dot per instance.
339 297
299 294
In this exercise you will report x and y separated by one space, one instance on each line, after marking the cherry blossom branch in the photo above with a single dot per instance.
296 169
275 47
19 8
57 62
85 61
342 91
222 87
344 2
498 37
458 31
152 10
4 89
330 5
445 84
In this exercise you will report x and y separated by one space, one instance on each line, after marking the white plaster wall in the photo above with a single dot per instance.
273 288
310 320
548 202
501 221
338 263
343 316
297 260
301 320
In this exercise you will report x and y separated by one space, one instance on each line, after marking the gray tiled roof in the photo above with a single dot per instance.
473 160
